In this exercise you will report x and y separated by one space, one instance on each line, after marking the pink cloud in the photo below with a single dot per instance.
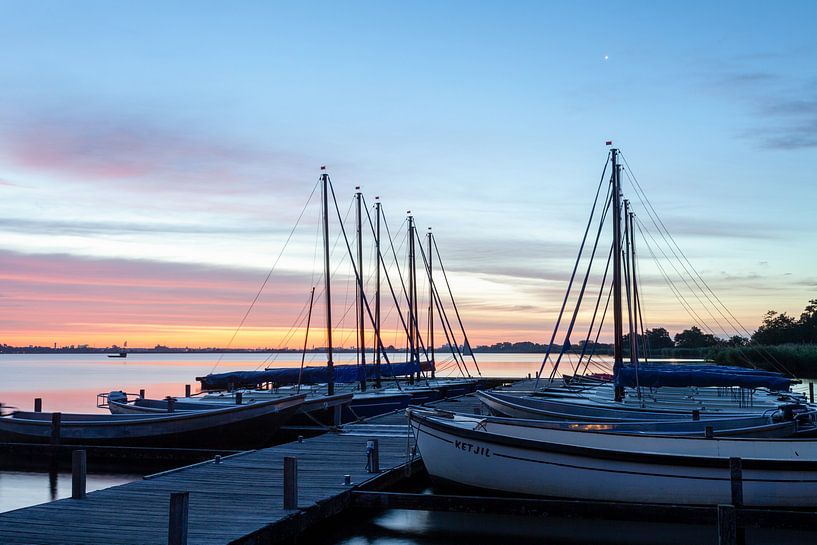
61 296
94 147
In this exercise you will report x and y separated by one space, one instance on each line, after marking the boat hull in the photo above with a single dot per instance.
478 459
240 427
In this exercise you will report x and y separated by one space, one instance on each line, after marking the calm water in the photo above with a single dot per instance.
70 383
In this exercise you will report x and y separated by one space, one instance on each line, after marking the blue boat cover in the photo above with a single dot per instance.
651 375
311 375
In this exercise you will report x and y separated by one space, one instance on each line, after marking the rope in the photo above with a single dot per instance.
573 275
266 279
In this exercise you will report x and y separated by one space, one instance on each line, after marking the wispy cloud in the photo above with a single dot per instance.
785 107
138 151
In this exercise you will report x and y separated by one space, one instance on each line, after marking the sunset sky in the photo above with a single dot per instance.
154 156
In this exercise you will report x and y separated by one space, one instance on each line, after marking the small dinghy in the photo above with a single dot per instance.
525 458
238 426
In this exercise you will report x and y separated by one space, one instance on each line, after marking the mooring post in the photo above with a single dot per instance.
696 414
528 376
78 471
347 480
336 415
811 392
736 479
727 525
142 393
56 424
38 404
177 520
373 456
239 398
709 432
186 390
290 482
171 404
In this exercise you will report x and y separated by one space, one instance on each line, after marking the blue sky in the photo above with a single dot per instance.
190 133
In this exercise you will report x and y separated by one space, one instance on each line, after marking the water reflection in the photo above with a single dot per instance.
24 488
401 527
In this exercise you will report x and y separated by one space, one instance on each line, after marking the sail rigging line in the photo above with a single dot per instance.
703 324
359 277
768 356
399 275
454 304
598 331
608 203
697 320
448 329
596 309
573 275
679 296
266 279
637 295
683 279
299 320
629 295
446 323
306 338
720 307
673 246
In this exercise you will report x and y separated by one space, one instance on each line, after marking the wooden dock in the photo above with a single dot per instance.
239 500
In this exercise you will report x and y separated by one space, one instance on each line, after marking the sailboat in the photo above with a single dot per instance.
122 354
375 384
592 460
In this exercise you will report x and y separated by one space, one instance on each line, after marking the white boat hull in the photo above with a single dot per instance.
543 468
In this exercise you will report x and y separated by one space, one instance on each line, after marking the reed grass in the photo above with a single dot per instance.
798 359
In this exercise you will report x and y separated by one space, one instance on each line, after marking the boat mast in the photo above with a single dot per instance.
412 292
330 365
377 295
630 279
639 318
618 327
361 323
430 303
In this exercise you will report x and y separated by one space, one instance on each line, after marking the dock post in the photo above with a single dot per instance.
290 482
38 404
337 413
177 520
56 424
373 456
811 392
736 479
709 432
78 470
186 390
727 525
696 414
142 393
239 398
171 404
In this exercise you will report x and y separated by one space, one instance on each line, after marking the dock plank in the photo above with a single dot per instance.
229 502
